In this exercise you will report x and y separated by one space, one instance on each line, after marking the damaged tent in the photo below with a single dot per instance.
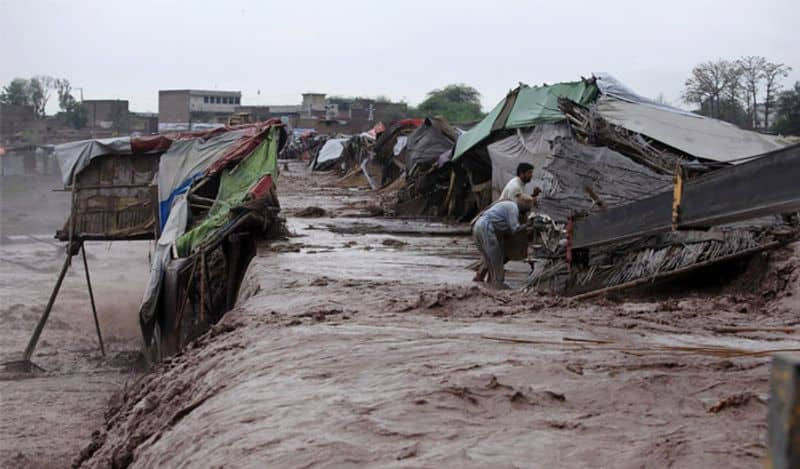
594 145
595 112
425 163
304 144
329 154
216 195
345 154
390 145
518 129
204 196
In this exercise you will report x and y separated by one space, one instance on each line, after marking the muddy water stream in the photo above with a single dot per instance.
355 346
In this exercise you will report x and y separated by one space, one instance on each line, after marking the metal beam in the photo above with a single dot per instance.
767 185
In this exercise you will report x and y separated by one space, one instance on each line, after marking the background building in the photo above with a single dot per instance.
180 109
107 115
14 121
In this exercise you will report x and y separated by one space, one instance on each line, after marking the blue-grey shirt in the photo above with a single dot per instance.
502 216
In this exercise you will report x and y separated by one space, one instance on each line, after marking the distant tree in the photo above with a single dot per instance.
787 122
732 111
40 88
17 92
64 91
74 111
34 92
708 82
456 103
772 74
752 68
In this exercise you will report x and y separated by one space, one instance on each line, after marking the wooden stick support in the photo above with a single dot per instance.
43 320
91 298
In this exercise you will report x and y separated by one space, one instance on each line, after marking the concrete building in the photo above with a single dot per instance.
107 115
180 108
314 104
143 123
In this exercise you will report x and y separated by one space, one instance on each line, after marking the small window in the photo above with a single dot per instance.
205 99
238 99
219 100
225 100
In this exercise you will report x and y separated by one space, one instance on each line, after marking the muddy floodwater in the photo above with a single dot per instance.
47 416
362 341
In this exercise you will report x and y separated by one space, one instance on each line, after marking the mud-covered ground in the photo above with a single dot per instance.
356 343
47 416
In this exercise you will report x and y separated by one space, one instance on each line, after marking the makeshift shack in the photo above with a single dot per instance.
216 196
425 161
113 198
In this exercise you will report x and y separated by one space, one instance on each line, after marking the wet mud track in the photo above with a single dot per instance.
47 416
353 348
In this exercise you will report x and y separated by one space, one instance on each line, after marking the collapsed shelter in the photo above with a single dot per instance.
204 196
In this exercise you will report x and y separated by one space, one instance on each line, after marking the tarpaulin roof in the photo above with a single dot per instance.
527 106
426 144
253 135
394 129
610 86
330 151
699 136
192 155
524 146
73 157
186 161
234 187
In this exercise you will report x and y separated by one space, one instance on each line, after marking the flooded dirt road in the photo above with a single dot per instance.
46 417
351 349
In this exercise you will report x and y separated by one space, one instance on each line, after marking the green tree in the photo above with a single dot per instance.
74 110
456 103
772 74
34 92
711 83
39 90
752 68
787 121
16 92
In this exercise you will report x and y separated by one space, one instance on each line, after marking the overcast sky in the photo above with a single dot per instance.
273 51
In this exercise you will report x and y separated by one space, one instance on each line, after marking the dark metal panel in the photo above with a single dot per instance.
651 215
767 185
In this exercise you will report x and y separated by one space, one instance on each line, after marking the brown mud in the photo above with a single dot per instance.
47 416
348 350
353 347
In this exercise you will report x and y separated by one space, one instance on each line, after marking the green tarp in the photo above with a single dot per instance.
533 105
234 185
482 130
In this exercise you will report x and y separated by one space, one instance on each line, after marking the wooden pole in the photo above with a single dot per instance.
26 357
91 299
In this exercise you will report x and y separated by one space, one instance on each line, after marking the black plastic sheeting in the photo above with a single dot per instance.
589 179
426 144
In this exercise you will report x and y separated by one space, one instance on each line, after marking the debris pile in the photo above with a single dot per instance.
304 146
